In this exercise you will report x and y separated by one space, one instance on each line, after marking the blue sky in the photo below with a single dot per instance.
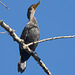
55 18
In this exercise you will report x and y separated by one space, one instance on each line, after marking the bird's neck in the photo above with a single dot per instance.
33 20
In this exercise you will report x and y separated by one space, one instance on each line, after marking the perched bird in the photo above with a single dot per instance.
30 33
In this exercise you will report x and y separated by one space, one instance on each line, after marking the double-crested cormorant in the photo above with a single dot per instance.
30 34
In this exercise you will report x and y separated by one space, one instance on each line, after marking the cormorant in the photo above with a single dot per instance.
29 34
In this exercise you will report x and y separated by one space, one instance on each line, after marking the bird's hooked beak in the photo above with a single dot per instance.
35 6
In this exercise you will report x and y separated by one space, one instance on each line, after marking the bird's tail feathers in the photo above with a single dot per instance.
21 66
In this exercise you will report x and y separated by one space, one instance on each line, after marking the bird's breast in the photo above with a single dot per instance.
33 34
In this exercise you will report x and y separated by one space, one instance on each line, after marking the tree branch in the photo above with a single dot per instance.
53 38
4 5
2 32
24 46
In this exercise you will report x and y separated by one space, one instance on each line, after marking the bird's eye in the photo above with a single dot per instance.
32 8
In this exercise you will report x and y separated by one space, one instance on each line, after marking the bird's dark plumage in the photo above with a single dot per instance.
30 34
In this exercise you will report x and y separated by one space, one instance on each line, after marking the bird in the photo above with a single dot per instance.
29 34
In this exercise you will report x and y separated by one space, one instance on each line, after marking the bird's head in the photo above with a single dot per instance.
31 10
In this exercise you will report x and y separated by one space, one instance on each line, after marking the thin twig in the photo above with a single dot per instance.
4 5
24 46
53 38
2 32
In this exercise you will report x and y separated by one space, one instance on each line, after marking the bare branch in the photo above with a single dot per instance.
2 32
53 38
4 5
24 46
